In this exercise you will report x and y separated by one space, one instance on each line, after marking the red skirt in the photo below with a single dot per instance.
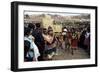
74 43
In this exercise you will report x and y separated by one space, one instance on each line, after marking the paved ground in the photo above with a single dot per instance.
66 55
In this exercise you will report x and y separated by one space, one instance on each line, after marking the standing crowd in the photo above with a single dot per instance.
41 44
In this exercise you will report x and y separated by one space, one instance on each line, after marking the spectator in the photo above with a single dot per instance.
82 38
87 41
39 40
32 52
28 49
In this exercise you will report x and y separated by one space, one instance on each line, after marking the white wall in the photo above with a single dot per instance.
5 17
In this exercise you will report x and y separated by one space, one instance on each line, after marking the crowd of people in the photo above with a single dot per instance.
41 44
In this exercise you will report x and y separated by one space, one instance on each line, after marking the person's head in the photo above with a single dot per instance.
64 29
73 30
88 29
50 32
31 26
27 31
50 28
45 31
37 25
84 32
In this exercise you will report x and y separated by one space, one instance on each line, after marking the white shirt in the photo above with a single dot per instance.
87 35
36 51
33 46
